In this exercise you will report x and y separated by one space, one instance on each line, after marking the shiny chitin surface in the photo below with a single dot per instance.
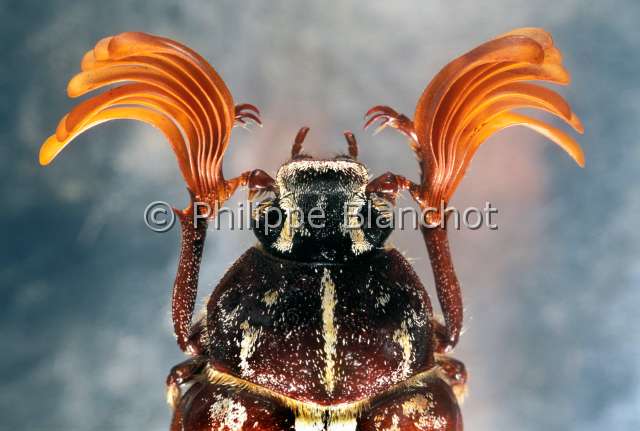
323 333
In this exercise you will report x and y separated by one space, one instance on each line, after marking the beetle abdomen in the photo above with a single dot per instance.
322 333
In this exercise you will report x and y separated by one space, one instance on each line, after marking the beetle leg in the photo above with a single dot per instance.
181 374
455 373
185 287
258 181
198 338
388 117
194 231
388 185
246 112
447 288
176 421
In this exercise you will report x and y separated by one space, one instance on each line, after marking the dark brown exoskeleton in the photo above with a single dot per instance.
320 325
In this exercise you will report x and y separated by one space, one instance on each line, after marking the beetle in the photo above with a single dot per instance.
318 326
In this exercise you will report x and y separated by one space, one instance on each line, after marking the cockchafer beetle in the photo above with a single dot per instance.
318 327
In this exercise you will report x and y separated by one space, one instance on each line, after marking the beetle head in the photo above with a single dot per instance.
321 211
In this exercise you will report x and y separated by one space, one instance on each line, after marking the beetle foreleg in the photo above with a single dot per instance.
388 185
447 288
246 112
185 288
194 230
388 117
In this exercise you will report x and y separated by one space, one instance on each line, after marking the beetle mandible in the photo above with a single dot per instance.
318 326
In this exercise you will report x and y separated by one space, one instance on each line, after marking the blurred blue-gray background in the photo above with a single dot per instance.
552 336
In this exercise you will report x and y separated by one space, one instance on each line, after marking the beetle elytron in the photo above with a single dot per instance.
318 327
